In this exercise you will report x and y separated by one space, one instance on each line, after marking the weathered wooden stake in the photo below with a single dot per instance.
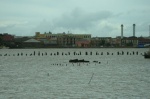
91 78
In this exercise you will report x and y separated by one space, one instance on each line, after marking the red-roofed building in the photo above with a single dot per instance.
7 37
83 43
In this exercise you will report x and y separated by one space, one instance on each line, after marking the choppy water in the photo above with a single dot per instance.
50 76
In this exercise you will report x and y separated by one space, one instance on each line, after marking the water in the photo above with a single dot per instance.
52 76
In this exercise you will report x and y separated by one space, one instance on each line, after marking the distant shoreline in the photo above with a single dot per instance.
81 48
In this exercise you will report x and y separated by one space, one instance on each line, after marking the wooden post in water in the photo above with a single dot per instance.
91 53
46 53
86 53
96 53
137 53
122 53
39 53
57 53
34 53
91 78
133 52
74 53
107 53
127 53
118 53
68 53
80 53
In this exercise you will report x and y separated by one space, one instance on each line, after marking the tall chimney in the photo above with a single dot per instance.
134 30
121 31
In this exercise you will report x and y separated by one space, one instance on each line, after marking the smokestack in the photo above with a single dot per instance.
134 30
121 31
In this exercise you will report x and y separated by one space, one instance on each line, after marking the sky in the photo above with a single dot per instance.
102 18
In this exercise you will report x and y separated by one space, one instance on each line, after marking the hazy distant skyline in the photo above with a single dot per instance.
96 17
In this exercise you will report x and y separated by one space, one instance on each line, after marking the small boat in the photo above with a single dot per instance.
147 54
76 61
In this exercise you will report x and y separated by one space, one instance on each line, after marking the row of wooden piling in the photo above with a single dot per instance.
69 53
75 64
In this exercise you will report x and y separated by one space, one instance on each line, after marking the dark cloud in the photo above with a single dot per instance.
6 28
97 17
43 26
79 19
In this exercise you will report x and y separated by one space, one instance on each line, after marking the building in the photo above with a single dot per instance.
101 42
7 40
69 39
7 37
116 42
40 36
129 41
32 43
77 36
66 41
1 39
61 39
83 43
142 42
18 40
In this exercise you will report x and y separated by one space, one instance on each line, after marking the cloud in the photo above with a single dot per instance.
5 28
16 27
76 21
28 10
79 19
97 17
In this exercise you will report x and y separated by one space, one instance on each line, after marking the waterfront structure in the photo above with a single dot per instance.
77 36
69 39
6 40
100 41
116 42
46 39
66 41
74 40
135 41
18 40
143 41
32 43
129 41
95 42
61 39
7 37
1 39
39 36
83 43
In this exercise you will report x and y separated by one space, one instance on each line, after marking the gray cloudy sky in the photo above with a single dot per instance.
96 17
